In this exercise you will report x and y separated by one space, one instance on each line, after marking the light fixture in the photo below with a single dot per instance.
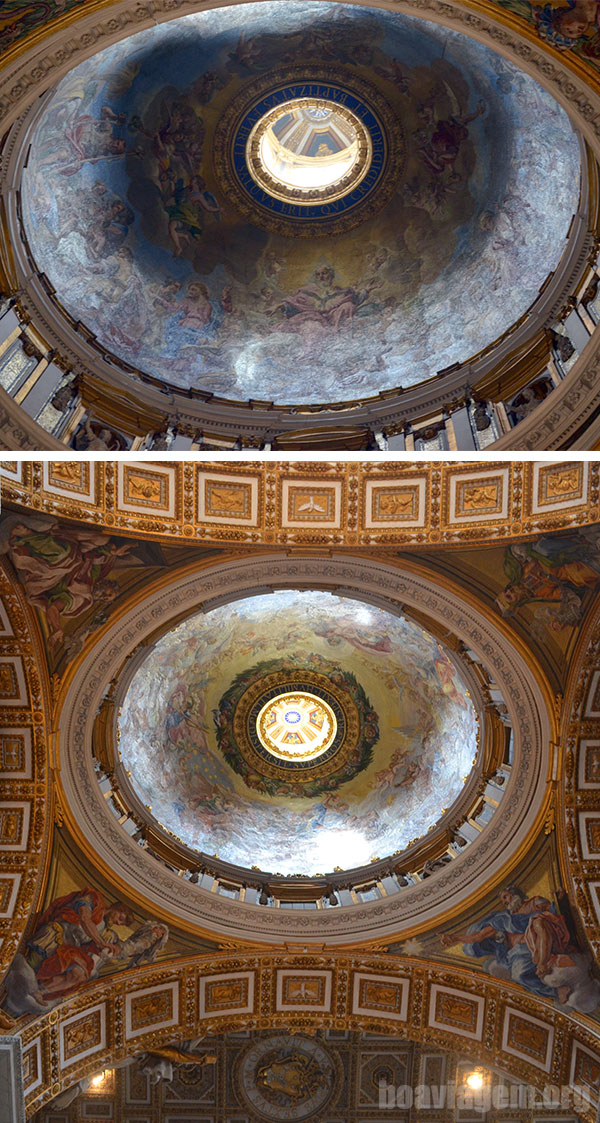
475 1079
103 1081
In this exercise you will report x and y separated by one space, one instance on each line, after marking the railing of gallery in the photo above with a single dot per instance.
386 877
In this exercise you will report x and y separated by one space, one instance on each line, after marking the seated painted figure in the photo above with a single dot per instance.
533 943
69 937
528 937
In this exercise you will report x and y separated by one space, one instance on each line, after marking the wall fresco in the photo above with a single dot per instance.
427 733
124 212
19 17
551 575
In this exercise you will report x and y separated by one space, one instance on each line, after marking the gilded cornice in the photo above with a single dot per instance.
312 505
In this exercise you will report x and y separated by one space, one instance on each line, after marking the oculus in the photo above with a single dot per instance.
310 156
296 726
350 728
309 150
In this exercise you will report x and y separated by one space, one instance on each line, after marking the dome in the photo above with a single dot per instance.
297 732
417 220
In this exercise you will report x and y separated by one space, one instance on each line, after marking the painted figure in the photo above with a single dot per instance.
441 149
528 940
64 571
69 934
77 938
553 574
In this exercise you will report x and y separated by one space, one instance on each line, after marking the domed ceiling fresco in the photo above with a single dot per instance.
139 206
285 792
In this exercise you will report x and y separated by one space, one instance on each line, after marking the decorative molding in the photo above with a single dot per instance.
580 781
23 769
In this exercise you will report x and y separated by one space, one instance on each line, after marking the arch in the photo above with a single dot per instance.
458 1010
580 787
98 493
24 768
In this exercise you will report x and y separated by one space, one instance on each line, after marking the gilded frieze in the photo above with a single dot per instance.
341 504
